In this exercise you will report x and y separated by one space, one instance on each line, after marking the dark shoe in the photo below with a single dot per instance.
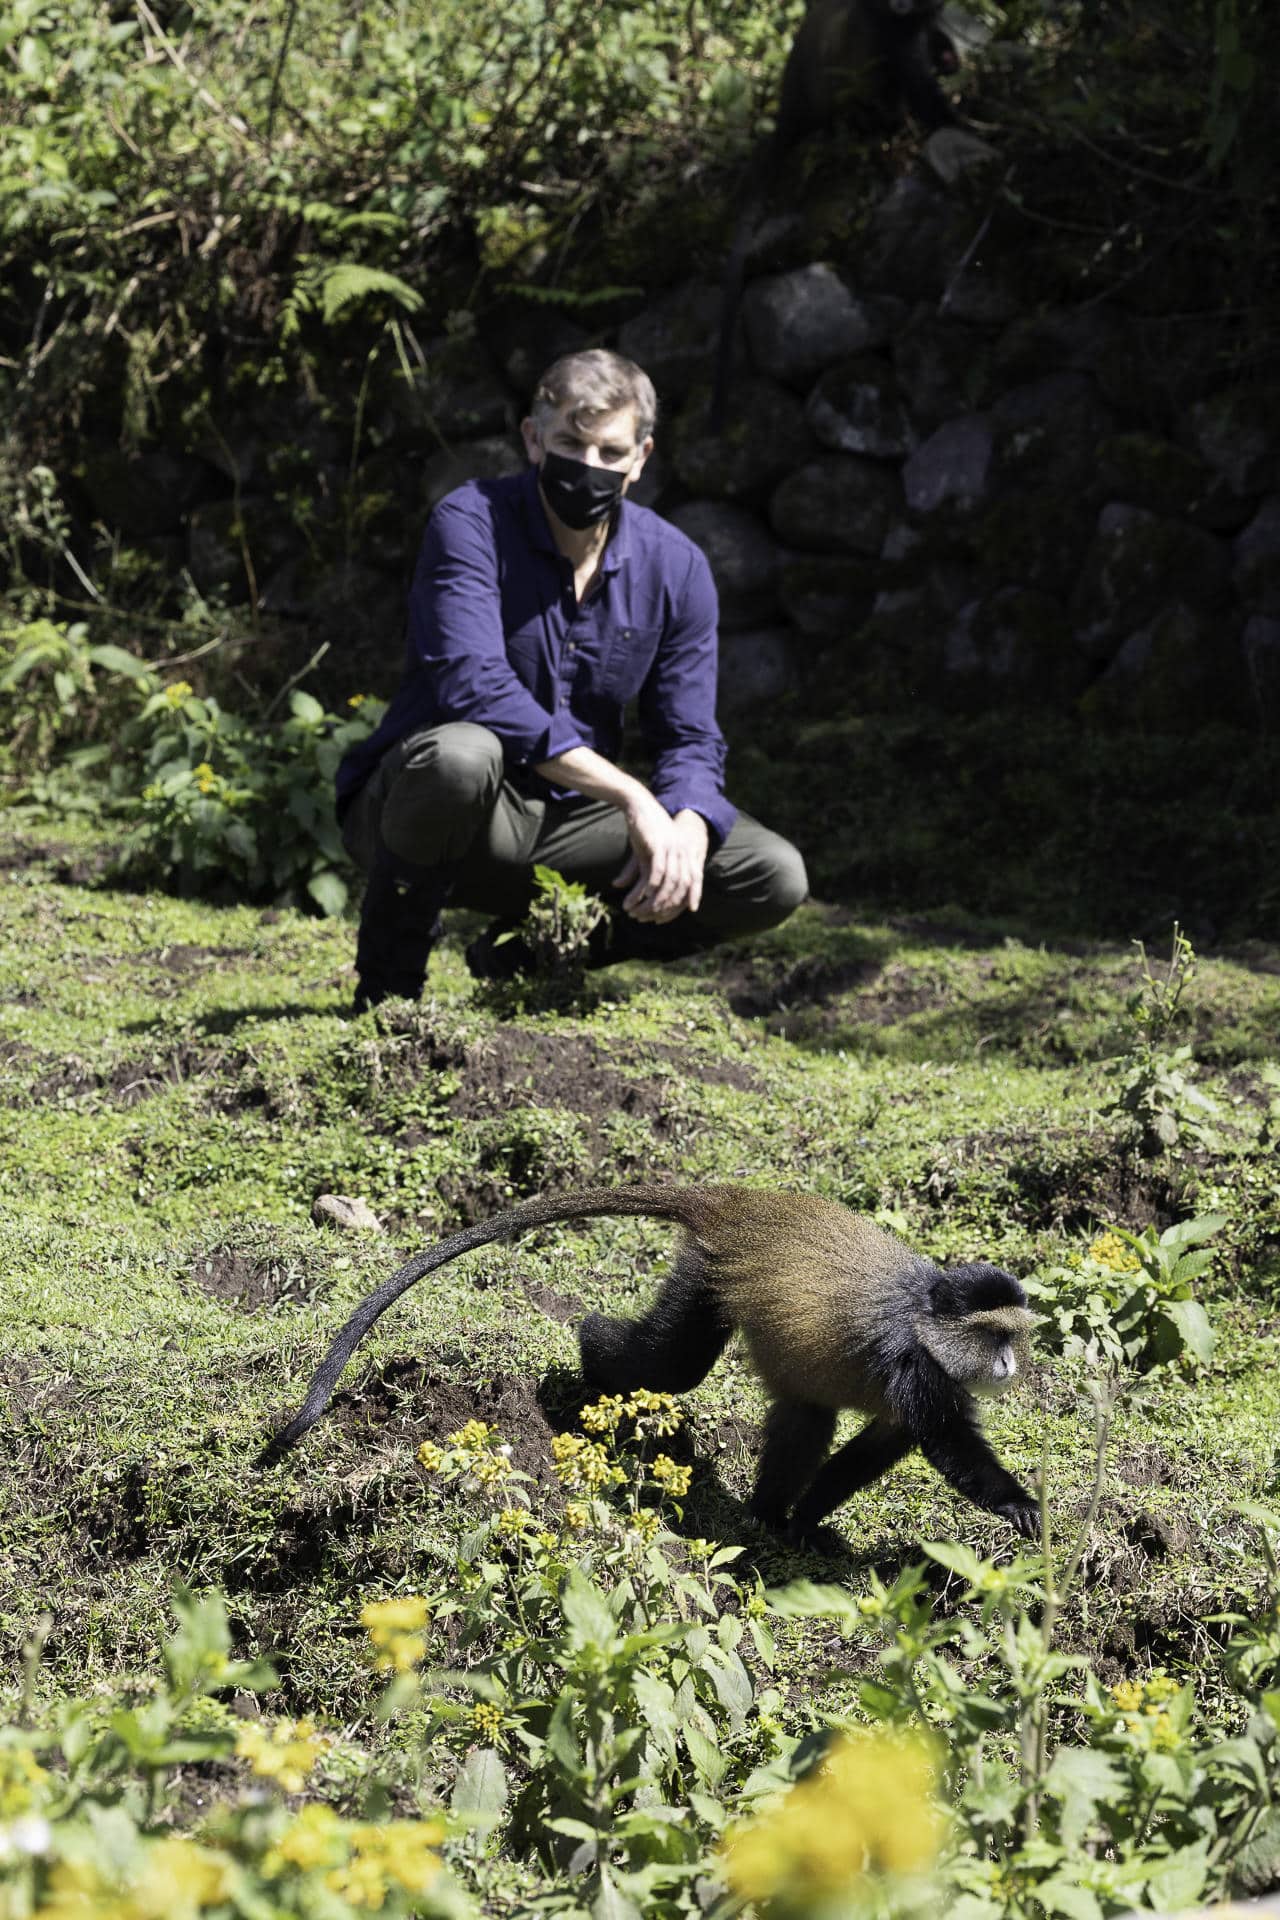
499 953
399 924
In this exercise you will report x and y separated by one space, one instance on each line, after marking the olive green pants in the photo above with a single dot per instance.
443 799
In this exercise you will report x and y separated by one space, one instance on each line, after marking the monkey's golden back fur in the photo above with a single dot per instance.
809 1283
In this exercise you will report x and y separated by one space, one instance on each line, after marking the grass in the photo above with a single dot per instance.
181 1080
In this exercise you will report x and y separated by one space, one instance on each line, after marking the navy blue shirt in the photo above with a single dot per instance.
497 636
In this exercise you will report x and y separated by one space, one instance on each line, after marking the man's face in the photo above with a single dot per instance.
609 442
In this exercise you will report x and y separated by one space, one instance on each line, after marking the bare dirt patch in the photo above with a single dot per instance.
520 1067
407 1400
251 1282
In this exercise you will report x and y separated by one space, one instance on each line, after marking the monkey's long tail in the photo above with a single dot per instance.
671 1203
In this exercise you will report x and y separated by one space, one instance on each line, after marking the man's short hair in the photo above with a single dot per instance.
592 383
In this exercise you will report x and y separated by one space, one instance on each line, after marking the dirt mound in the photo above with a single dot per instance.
249 1281
406 1400
523 1067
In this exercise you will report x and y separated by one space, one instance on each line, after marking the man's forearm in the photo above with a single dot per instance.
585 771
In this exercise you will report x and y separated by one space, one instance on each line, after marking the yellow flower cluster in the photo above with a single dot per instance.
481 1450
487 1719
577 1516
21 1778
675 1480
400 1853
396 1628
583 1464
604 1415
867 1808
176 692
1141 1705
205 777
1110 1251
362 1863
176 1878
646 1522
284 1753
312 1839
357 700
658 1410
513 1520
430 1456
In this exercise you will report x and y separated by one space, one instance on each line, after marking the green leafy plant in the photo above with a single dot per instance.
87 1792
603 1664
1083 1802
1155 1093
554 944
239 803
1128 1300
57 689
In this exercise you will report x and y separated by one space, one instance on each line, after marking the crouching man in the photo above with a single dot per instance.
541 606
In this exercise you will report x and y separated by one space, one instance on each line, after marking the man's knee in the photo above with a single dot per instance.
786 882
447 783
759 878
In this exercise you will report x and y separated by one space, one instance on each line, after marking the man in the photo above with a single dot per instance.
541 606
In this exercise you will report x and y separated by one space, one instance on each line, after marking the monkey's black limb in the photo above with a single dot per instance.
796 1436
670 1349
856 1464
961 1455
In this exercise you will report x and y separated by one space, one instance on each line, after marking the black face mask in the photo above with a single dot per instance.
580 495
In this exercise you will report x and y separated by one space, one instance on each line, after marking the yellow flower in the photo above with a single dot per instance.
175 1880
867 1808
646 1523
1109 1250
577 1516
487 1719
405 1613
667 1474
285 1753
311 1840
396 1629
662 1405
176 692
430 1456
357 700
474 1434
584 1464
514 1520
21 1777
401 1853
205 777
1127 1695
603 1415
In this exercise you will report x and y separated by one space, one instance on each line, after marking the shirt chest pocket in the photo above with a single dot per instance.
624 667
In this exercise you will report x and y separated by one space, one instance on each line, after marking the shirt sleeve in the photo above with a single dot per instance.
678 707
456 637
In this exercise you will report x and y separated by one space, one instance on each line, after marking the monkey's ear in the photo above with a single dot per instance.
947 1294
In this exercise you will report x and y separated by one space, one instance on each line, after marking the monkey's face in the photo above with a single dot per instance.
998 1364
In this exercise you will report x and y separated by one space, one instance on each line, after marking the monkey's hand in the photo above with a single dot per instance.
1024 1514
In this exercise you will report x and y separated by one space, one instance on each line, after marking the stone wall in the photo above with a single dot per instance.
929 482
